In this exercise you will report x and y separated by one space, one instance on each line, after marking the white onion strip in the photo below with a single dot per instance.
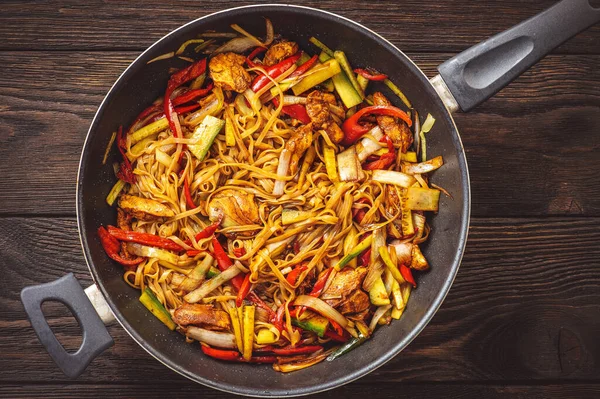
212 284
321 307
212 338
378 314
282 170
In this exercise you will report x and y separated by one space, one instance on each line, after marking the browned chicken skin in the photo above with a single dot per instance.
236 207
205 316
144 208
397 130
279 51
227 71
317 107
345 291
299 142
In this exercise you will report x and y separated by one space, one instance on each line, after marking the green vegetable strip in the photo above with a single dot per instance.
204 135
345 64
362 82
149 130
115 191
347 347
108 147
360 248
156 308
397 92
427 125
322 46
343 86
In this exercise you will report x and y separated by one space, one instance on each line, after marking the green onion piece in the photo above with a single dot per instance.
397 92
108 147
427 125
204 135
340 56
322 46
359 249
187 43
115 191
149 300
148 130
162 57
347 347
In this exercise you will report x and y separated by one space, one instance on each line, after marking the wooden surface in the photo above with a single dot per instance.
523 316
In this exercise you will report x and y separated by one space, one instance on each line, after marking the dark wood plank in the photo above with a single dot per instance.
354 390
413 25
524 307
532 149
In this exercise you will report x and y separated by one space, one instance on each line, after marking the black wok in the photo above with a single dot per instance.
464 81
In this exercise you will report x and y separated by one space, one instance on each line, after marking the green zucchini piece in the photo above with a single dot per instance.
156 308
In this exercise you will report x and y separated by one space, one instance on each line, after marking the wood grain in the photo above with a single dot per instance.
413 25
525 306
354 390
532 149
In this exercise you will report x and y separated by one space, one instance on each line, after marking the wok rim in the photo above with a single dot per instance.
327 385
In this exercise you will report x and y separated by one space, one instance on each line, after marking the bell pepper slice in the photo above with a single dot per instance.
144 238
368 75
273 72
112 247
353 130
296 111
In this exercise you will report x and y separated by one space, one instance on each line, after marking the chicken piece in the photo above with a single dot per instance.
124 223
227 71
236 207
143 208
397 130
299 142
309 281
345 291
317 108
205 316
279 51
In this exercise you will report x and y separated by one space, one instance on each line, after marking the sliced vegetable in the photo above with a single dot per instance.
149 300
427 125
423 167
385 256
212 272
409 156
144 238
148 130
244 290
362 81
330 163
422 199
321 307
115 191
282 169
348 165
343 86
183 46
360 248
418 260
397 92
351 241
397 295
353 130
237 328
188 194
112 247
379 313
225 263
407 275
378 294
296 111
393 177
265 337
315 323
326 71
340 56
152 252
347 347
210 285
248 331
108 147
213 338
273 72
204 135
370 76
321 46
290 216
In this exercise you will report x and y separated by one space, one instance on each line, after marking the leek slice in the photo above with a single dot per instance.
149 300
422 199
150 129
115 191
204 135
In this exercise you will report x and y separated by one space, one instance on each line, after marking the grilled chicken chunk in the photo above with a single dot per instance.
227 71
317 108
345 292
279 51
205 316
144 208
236 207
397 130
299 142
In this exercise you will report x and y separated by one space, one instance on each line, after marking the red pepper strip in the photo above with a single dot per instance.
188 194
145 113
144 238
296 111
220 353
368 75
253 55
193 252
365 257
125 171
273 72
338 329
112 247
176 80
336 337
359 213
290 351
207 232
305 67
225 263
239 252
384 162
317 288
296 247
244 290
407 274
187 108
191 95
293 275
353 130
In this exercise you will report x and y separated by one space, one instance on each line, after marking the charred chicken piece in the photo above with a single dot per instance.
299 142
144 208
345 292
317 107
227 71
235 207
279 51
397 130
205 316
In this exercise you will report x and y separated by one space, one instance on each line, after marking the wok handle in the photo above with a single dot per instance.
481 71
95 335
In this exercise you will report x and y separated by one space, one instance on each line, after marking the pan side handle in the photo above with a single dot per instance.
481 71
95 335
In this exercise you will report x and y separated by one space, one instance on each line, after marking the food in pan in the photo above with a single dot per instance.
272 204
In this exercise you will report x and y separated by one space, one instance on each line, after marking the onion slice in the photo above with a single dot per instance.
282 170
321 307
212 338
212 284
378 314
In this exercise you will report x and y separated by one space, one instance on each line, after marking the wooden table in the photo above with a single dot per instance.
523 317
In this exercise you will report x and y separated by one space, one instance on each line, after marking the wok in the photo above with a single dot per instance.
463 82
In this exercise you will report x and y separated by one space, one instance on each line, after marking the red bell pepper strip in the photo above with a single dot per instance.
254 54
299 350
365 257
337 328
112 247
273 72
191 95
188 194
296 111
384 162
144 238
239 252
336 337
359 213
407 275
193 252
368 75
293 275
244 290
176 80
234 356
305 67
207 232
353 130
145 113
225 263
125 171
187 108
